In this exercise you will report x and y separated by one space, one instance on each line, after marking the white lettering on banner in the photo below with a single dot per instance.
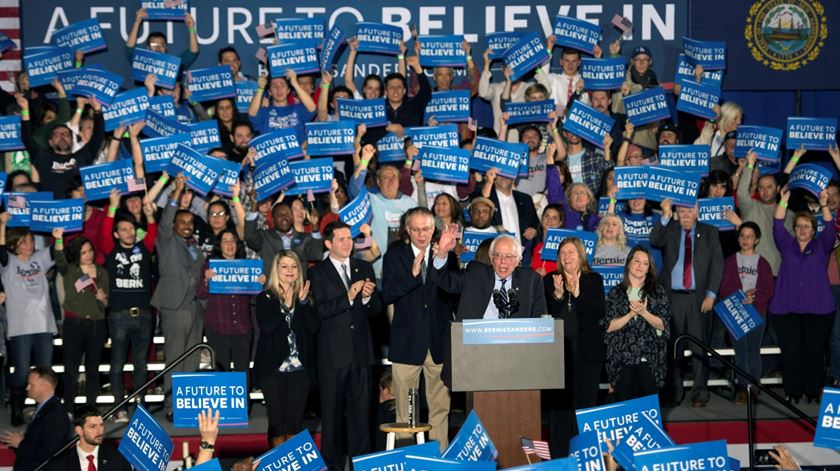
145 441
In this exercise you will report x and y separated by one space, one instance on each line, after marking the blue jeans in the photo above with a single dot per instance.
748 353
125 330
834 342
23 349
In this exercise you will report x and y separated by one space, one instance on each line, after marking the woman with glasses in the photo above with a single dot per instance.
802 307
575 294
285 360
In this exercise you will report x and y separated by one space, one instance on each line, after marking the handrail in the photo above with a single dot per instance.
134 394
752 382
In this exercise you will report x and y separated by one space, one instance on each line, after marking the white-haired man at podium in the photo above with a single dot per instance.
501 291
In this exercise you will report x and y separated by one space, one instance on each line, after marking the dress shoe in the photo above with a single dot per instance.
741 397
792 399
698 403
812 399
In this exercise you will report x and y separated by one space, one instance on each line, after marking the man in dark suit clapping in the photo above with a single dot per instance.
502 290
422 313
345 296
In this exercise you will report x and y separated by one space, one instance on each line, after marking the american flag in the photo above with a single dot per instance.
136 184
17 201
265 30
535 447
187 77
472 124
261 55
10 24
310 196
83 282
622 23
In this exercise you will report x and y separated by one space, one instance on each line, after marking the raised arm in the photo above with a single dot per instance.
349 68
305 98
256 101
324 97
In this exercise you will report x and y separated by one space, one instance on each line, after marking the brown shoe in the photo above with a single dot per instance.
698 403
741 397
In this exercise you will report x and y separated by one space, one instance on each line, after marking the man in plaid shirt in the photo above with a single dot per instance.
586 164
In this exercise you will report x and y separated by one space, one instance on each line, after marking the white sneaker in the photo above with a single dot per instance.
121 417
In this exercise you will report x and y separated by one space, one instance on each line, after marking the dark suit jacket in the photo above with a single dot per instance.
582 323
422 311
525 207
179 273
475 285
707 257
344 334
273 343
108 459
44 436
269 243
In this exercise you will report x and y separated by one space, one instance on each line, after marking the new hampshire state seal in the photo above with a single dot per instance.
785 35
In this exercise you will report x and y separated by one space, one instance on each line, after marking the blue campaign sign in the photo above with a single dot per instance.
3 178
163 105
96 83
501 42
529 112
449 107
332 44
576 34
646 435
302 57
631 182
812 133
60 214
811 177
827 434
165 9
766 142
18 206
554 236
688 158
708 456
226 393
647 106
472 443
711 55
711 211
200 170
85 36
10 137
612 275
681 187
281 143
44 65
163 66
68 79
391 148
330 137
526 55
368 112
446 165
426 463
739 318
508 331
470 242
379 38
616 421
588 123
685 71
211 83
491 153
228 176
442 51
205 135
145 444
357 212
298 453
394 459
272 176
604 204
245 91
157 151
212 465
158 125
698 99
586 449
603 74
126 108
445 136
313 175
561 464
288 30
99 180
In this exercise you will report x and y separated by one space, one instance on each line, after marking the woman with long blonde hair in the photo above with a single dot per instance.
285 360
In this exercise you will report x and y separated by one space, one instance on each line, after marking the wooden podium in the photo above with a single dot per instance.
503 382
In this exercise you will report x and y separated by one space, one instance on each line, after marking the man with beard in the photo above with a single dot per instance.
726 160
241 134
587 164
269 242
481 215
58 166
89 450
601 100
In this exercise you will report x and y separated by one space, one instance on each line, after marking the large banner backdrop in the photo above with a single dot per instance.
659 24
